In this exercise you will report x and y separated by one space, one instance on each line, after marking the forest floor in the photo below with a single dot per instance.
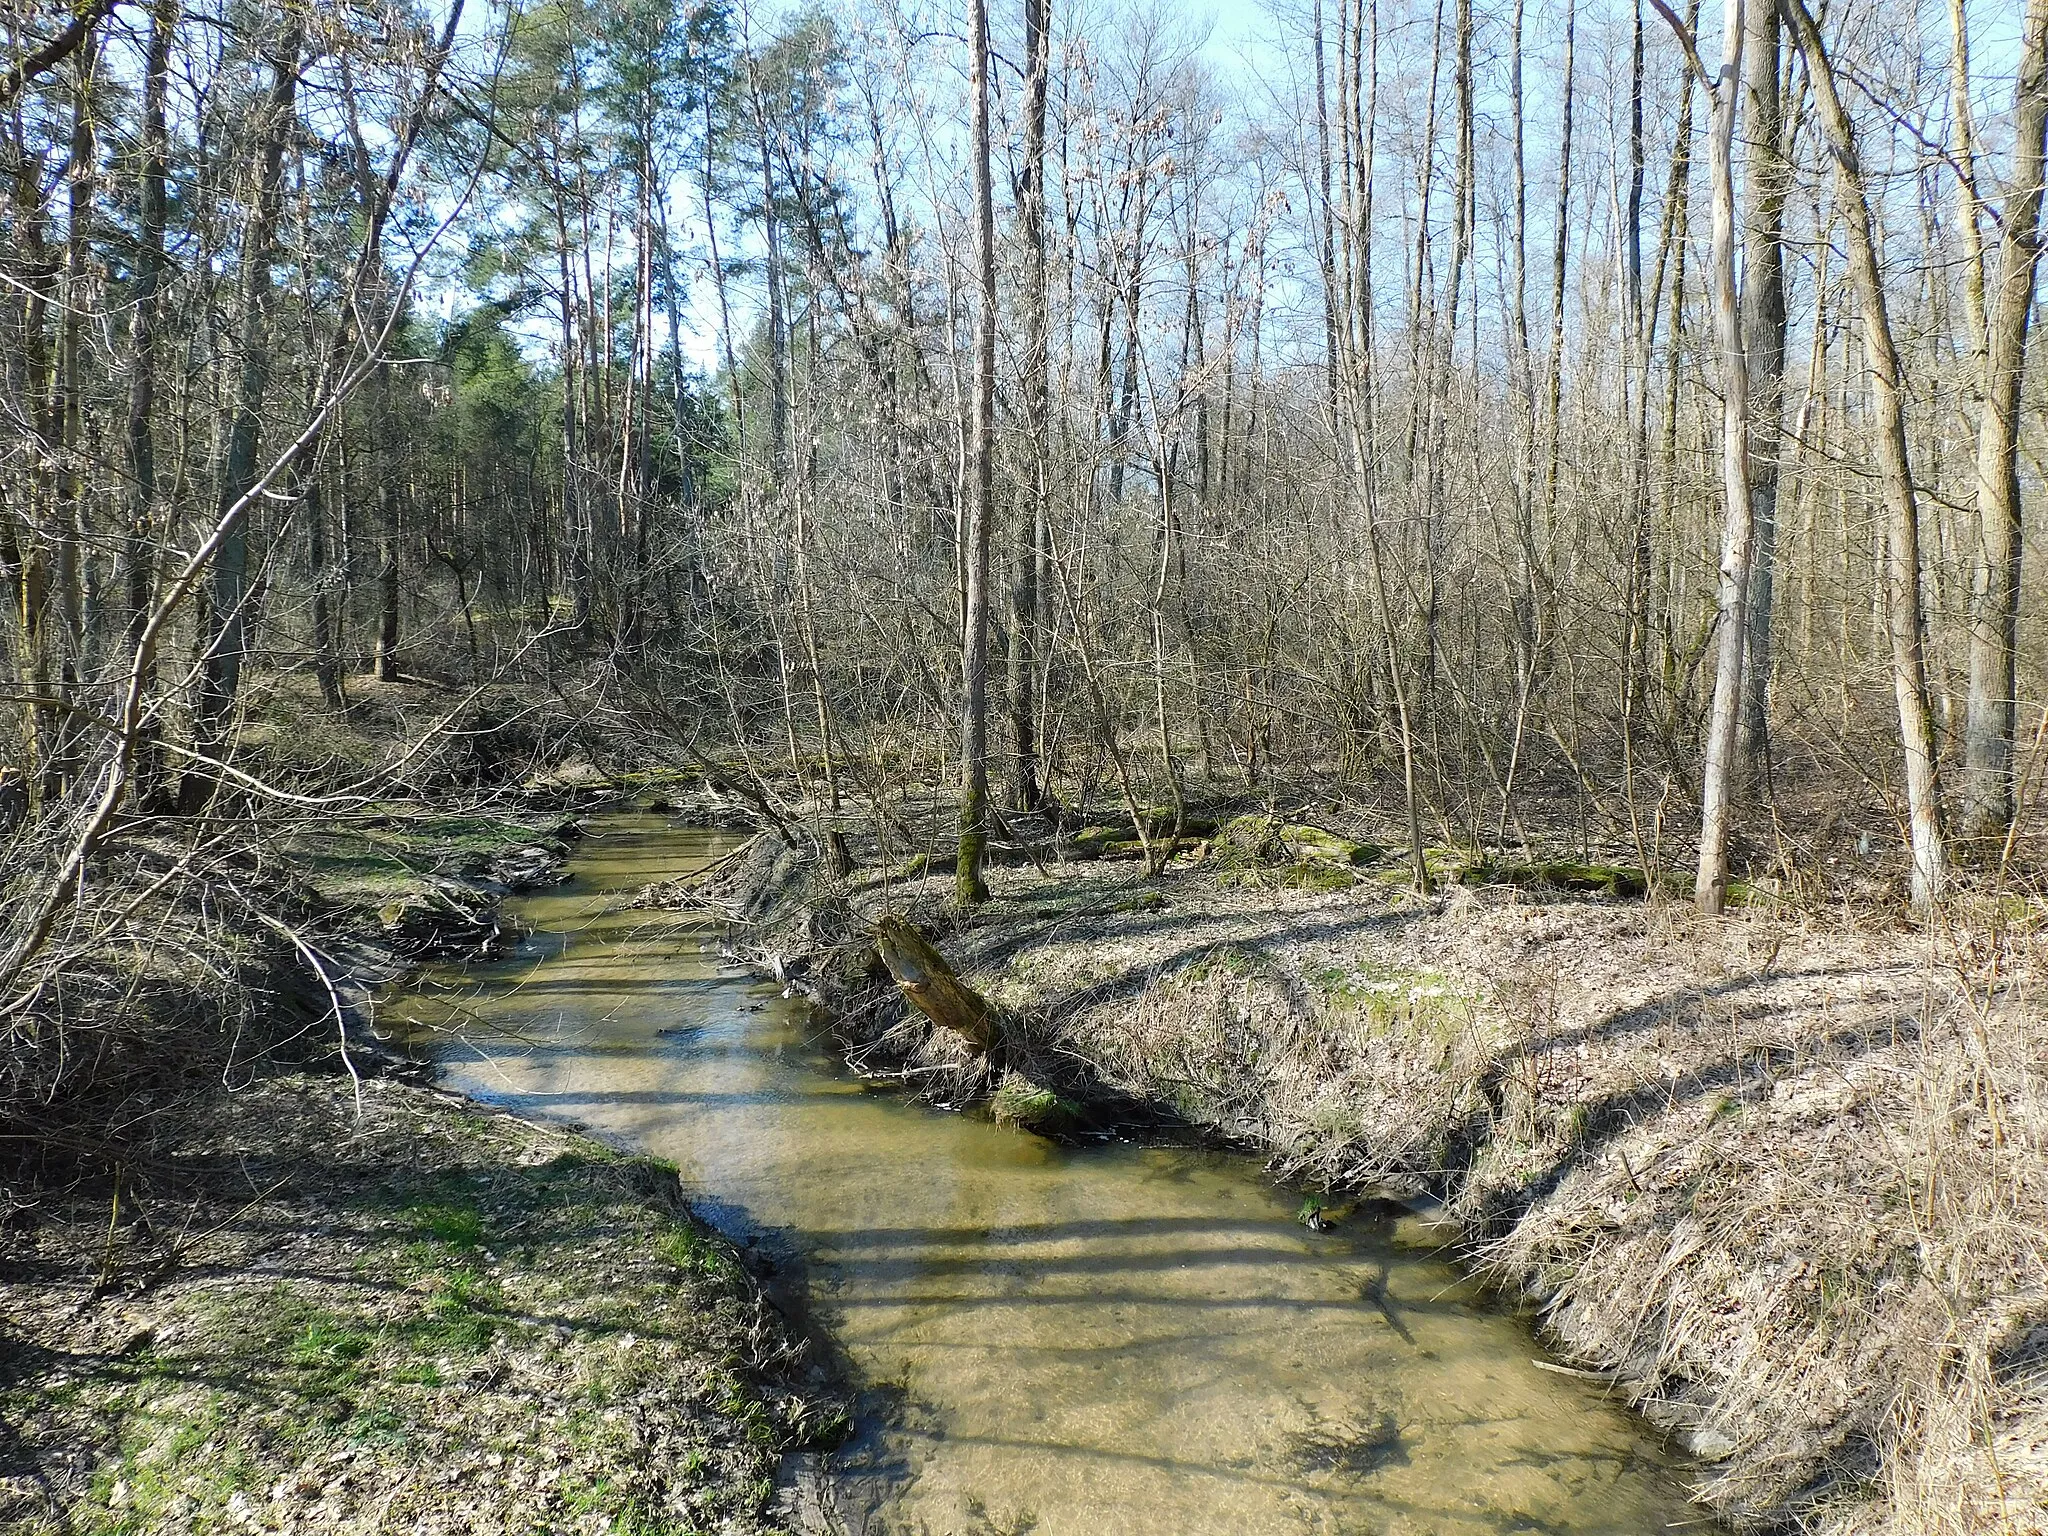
1782 1174
392 1311
315 1296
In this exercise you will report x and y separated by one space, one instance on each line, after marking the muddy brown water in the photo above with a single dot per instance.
1051 1339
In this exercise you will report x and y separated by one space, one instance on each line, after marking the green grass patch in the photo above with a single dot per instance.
1382 997
456 1226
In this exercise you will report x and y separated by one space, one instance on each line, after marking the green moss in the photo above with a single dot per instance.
1019 1101
1139 901
1382 997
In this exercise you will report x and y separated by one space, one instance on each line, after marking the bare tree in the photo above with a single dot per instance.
1995 570
1765 179
1710 888
1904 619
969 886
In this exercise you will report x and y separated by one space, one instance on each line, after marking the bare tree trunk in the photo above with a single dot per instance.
969 888
221 671
577 516
1559 253
382 473
1995 574
1766 178
1024 616
1710 888
68 523
152 206
1903 618
1357 458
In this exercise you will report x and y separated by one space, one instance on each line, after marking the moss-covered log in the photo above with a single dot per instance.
1269 840
1117 843
927 982
1120 840
1021 1102
1557 875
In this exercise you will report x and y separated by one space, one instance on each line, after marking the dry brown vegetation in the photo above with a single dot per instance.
1782 1174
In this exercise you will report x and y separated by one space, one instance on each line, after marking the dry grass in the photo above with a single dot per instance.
1786 1174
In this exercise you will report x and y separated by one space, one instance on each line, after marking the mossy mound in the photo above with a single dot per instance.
1030 1106
1556 875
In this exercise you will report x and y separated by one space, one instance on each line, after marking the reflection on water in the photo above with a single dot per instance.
1107 1340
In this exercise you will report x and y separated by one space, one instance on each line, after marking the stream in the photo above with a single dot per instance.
1085 1340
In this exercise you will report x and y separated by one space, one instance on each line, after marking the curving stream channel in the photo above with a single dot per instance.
1113 1339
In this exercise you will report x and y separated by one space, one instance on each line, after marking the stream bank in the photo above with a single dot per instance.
1120 1335
307 1294
387 1309
1781 1179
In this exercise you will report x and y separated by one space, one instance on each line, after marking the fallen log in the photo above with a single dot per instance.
1263 840
1557 875
928 984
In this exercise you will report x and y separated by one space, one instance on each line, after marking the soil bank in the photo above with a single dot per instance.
1782 1178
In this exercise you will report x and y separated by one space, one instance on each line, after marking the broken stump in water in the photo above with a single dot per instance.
922 975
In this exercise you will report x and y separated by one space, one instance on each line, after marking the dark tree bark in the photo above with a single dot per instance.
1766 178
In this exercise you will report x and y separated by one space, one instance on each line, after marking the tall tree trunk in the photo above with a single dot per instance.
220 677
578 536
1766 178
383 472
1025 595
152 205
1904 620
381 458
1559 252
69 512
1710 888
969 887
1995 574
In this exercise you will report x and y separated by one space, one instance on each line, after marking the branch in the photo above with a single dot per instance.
55 51
1685 40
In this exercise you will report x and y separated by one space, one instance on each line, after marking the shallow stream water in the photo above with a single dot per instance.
1068 1341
